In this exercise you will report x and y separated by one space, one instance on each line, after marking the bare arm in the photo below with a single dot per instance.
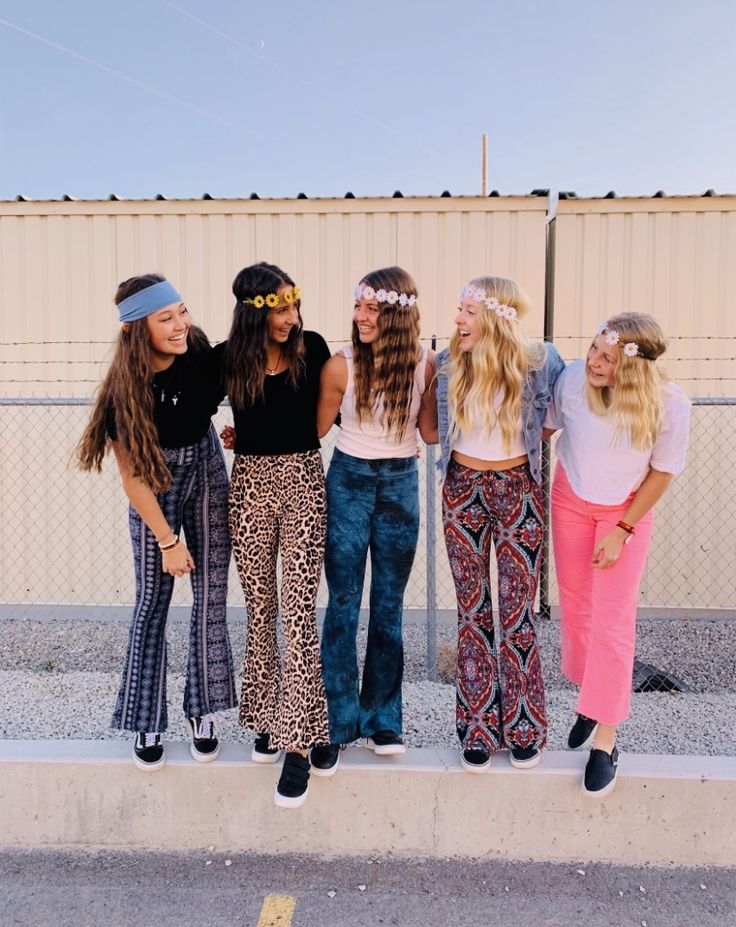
647 495
427 419
332 385
176 561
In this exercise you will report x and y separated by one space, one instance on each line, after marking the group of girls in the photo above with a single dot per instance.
489 400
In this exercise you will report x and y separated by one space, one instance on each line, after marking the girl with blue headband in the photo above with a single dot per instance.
154 411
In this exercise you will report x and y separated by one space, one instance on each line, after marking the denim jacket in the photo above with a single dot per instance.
536 395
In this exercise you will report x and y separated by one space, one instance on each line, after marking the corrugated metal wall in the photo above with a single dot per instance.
65 537
674 257
60 263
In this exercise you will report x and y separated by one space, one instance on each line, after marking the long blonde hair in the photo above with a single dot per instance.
383 371
635 399
501 360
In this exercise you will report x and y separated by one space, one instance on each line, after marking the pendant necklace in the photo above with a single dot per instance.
271 371
166 385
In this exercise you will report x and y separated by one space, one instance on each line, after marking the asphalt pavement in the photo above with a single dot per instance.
76 888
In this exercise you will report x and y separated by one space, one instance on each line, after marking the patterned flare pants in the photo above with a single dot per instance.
496 706
196 501
277 505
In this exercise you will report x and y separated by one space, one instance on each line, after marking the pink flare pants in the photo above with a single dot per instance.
598 607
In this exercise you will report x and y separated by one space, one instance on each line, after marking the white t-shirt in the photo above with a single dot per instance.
601 466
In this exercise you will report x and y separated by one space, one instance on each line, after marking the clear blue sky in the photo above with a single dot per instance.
324 96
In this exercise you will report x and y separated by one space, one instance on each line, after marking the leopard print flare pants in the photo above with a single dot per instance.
277 505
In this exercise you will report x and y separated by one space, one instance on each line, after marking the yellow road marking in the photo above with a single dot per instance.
277 911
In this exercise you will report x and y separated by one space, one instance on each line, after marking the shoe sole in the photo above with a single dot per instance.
204 757
325 773
286 801
526 764
587 742
384 749
266 758
149 767
473 768
600 793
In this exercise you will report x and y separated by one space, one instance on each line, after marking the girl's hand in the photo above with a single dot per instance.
177 561
228 437
608 550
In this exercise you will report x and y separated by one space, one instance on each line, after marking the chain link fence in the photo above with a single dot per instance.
65 544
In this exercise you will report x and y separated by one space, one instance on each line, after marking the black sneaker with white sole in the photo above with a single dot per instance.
581 733
385 743
205 746
600 773
293 785
525 757
475 760
263 752
148 751
325 759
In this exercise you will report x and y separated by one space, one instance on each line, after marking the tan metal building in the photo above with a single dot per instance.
64 537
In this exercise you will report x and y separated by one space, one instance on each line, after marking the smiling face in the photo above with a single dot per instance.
282 318
168 329
366 313
468 323
600 364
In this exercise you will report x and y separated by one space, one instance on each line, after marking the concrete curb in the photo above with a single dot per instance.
666 810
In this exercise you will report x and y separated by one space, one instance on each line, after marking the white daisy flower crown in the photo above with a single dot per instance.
363 291
479 295
613 338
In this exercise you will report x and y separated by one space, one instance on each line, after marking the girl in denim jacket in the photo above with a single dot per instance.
493 388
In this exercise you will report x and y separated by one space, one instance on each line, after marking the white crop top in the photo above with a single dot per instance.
368 439
483 444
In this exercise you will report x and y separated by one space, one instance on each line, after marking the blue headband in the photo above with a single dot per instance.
144 302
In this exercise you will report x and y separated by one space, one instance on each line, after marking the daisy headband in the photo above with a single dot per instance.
368 293
273 300
147 301
613 338
479 295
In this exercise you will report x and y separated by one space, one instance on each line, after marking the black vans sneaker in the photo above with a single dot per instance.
293 785
600 773
475 760
385 743
525 757
581 733
148 751
262 751
325 759
205 746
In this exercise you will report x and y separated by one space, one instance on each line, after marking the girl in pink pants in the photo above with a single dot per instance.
625 430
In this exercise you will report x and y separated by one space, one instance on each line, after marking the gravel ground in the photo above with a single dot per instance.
58 679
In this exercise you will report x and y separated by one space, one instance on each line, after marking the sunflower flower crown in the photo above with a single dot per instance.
363 291
613 338
479 295
273 300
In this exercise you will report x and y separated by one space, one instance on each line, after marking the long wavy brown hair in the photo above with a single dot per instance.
501 360
246 353
383 371
126 394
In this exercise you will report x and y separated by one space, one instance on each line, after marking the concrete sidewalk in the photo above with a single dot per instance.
672 810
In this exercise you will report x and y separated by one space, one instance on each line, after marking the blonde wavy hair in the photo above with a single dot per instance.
635 399
383 371
501 360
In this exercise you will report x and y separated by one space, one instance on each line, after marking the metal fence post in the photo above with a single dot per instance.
431 553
